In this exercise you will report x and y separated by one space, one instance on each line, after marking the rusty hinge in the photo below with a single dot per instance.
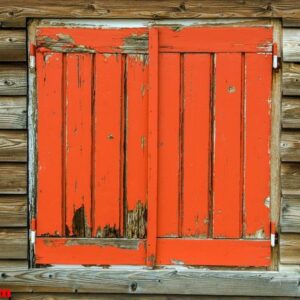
274 236
32 231
276 59
32 50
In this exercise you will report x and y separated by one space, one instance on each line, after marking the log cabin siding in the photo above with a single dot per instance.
13 108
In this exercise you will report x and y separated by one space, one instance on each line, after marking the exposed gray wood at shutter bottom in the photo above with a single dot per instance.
13 243
13 146
290 214
13 211
290 146
290 248
13 178
13 79
171 281
291 112
12 45
291 79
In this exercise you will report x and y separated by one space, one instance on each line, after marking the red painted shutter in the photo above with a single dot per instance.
153 147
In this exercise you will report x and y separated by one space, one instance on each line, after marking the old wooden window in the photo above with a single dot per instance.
153 146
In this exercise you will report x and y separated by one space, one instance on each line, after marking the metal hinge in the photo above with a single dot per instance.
32 232
276 62
273 234
32 50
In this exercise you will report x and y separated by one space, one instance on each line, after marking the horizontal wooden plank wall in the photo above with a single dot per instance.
13 149
13 110
290 149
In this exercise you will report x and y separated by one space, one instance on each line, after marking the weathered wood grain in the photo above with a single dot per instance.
13 79
172 281
290 178
12 45
13 211
291 45
291 79
289 146
290 248
290 213
47 296
13 264
13 243
13 178
16 11
13 145
290 112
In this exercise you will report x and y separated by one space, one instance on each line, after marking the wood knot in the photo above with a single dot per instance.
9 82
133 286
91 7
231 89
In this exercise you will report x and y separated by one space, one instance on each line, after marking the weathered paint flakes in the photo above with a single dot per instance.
136 226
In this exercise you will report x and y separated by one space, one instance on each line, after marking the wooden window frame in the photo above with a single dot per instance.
275 118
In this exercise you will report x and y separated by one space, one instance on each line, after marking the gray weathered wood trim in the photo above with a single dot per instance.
139 281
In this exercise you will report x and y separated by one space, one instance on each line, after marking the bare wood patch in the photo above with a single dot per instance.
80 226
108 231
136 224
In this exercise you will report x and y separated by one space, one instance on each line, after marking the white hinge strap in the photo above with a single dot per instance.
275 56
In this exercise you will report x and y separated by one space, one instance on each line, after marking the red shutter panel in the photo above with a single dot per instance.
153 147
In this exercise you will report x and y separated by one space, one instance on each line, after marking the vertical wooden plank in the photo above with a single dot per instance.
152 146
196 144
227 179
107 145
168 145
49 142
257 144
136 146
78 144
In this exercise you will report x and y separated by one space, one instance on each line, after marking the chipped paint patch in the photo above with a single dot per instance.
136 226
259 234
134 43
80 226
108 232
267 202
